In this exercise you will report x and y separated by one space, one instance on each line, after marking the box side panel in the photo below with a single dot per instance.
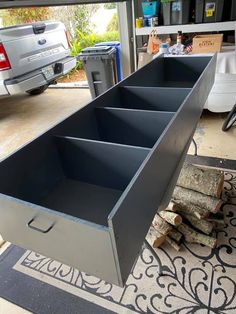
66 239
133 214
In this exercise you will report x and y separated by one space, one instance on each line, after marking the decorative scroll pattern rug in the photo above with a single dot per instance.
195 280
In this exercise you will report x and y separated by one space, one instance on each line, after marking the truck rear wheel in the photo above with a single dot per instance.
38 90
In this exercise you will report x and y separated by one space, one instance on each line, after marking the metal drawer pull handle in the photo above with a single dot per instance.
38 229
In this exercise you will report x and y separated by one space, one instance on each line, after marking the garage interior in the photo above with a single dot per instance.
196 279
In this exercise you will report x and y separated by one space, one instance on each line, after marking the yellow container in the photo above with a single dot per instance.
139 22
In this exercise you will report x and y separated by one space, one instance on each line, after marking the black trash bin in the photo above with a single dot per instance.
233 10
176 12
210 11
100 67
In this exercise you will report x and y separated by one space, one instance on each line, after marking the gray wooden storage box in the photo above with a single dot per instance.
85 192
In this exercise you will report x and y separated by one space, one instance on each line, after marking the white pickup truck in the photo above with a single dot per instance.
33 56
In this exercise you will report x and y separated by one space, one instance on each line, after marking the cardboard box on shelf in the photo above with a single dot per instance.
207 43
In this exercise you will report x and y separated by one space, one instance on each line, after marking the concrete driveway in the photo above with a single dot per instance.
24 117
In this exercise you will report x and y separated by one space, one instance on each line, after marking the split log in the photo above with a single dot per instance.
191 236
217 223
172 242
172 207
172 218
1 241
187 197
218 220
175 235
161 225
155 238
199 212
206 181
200 224
220 216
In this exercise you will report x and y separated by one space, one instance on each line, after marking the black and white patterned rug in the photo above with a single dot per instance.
195 280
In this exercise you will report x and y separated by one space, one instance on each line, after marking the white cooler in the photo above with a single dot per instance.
223 94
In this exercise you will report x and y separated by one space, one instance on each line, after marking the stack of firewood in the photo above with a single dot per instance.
194 211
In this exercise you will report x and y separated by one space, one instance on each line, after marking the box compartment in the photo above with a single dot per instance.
77 177
125 126
151 98
122 126
177 72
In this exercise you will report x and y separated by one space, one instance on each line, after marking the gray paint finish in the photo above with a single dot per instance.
71 240
165 158
96 179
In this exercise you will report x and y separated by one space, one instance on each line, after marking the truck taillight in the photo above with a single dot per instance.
68 39
4 62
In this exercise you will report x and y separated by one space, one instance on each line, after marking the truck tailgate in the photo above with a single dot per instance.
33 46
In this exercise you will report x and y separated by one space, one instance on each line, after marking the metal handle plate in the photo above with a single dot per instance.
39 229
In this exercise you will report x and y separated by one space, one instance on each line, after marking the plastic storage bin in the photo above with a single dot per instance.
150 8
210 11
176 12
100 67
233 10
83 181
116 45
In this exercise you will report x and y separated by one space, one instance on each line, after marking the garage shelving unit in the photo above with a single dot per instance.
185 28
188 28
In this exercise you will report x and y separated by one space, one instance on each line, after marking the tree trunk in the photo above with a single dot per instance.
218 220
172 218
199 212
187 197
172 207
200 224
155 238
191 236
161 225
1 241
175 235
175 245
206 181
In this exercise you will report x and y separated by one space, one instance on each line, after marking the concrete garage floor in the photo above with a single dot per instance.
22 118
211 140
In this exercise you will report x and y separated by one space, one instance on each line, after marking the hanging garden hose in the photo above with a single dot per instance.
231 118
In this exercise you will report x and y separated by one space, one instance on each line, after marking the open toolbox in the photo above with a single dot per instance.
85 192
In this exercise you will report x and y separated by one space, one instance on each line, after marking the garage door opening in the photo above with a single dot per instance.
86 24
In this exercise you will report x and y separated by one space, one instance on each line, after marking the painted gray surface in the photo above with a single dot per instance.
70 240
107 164
151 98
165 157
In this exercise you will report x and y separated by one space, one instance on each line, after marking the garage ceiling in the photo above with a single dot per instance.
30 3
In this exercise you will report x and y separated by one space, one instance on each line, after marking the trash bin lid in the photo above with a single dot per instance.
109 43
95 53
100 50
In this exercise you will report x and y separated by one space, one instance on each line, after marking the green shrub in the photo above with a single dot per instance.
11 17
113 24
82 41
